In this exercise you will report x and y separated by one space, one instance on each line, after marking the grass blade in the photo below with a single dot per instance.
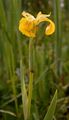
57 17
7 112
52 107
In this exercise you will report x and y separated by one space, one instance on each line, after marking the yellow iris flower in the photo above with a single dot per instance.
28 24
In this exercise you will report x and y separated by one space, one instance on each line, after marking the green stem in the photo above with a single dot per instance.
57 16
30 75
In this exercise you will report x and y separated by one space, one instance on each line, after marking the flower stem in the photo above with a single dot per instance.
30 75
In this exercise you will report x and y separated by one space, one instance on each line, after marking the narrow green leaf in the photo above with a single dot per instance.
23 90
51 109
58 35
7 112
3 21
2 15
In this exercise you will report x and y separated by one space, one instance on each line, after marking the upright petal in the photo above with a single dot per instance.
28 16
41 17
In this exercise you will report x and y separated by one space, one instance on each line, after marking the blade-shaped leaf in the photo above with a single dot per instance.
2 15
51 109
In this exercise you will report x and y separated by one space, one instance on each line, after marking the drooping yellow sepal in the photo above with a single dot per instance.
50 28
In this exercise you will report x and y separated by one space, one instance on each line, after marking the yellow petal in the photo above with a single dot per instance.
50 28
28 16
27 27
41 17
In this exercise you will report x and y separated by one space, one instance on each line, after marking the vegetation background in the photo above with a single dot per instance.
51 60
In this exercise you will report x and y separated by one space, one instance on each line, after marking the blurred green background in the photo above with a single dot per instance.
51 59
